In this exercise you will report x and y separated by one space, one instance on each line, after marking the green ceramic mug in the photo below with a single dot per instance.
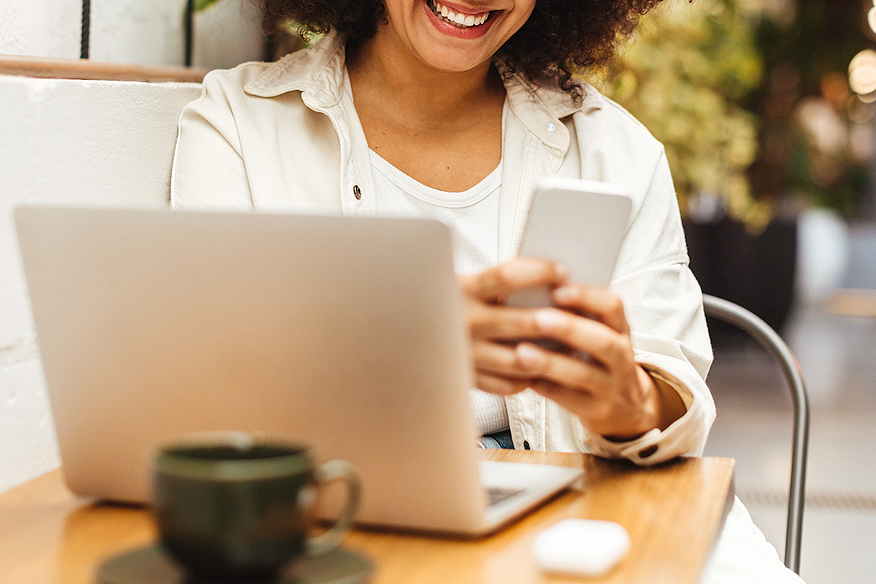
232 506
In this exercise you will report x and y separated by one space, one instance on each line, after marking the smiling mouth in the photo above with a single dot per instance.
456 19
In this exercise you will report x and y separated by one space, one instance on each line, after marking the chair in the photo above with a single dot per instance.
760 331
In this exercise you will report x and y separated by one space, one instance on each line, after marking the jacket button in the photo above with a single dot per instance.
357 192
526 445
551 127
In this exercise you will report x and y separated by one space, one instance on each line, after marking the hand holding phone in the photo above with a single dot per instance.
595 375
578 223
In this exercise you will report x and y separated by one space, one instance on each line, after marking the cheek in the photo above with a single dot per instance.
523 10
398 10
395 5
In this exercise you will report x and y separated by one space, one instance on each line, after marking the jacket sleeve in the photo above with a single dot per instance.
663 304
208 169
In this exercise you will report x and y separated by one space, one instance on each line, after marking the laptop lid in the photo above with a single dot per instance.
343 333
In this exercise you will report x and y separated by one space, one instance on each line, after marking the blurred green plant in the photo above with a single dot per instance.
204 4
686 74
751 101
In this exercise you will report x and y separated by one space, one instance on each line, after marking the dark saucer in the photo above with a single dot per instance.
150 565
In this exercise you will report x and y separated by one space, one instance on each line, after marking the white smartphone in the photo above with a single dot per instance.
579 223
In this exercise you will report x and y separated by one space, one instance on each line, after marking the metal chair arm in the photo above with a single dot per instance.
776 347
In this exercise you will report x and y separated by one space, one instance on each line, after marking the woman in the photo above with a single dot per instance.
455 110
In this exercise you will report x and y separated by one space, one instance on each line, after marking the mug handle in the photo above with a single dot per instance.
331 471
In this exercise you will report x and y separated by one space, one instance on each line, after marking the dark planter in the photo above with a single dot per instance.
754 270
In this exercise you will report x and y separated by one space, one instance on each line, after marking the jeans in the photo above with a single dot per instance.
500 439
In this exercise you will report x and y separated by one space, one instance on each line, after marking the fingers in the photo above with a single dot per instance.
499 360
494 284
602 343
505 369
501 323
597 303
608 402
499 370
604 388
612 401
583 375
492 324
486 291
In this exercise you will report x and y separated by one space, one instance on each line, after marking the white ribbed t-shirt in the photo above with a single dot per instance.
472 217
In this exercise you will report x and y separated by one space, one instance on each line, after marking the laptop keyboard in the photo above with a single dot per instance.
498 494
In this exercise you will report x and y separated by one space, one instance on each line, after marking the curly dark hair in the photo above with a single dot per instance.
560 37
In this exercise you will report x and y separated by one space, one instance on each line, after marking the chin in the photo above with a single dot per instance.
452 62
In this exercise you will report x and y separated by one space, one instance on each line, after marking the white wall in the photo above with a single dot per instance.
45 28
63 140
142 32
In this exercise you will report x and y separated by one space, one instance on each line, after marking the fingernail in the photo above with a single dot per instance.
564 294
528 355
562 271
548 319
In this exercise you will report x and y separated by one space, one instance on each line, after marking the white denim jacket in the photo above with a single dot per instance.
285 136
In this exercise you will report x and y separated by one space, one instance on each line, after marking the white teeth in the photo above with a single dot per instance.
461 20
457 18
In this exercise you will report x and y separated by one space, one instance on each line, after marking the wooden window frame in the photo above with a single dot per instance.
87 69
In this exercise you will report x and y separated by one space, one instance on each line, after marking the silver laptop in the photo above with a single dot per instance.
343 333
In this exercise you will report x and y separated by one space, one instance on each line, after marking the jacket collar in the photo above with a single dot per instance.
547 95
541 107
318 72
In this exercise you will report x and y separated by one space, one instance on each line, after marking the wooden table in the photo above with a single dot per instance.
673 513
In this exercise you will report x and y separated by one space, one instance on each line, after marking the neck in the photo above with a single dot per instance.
402 86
